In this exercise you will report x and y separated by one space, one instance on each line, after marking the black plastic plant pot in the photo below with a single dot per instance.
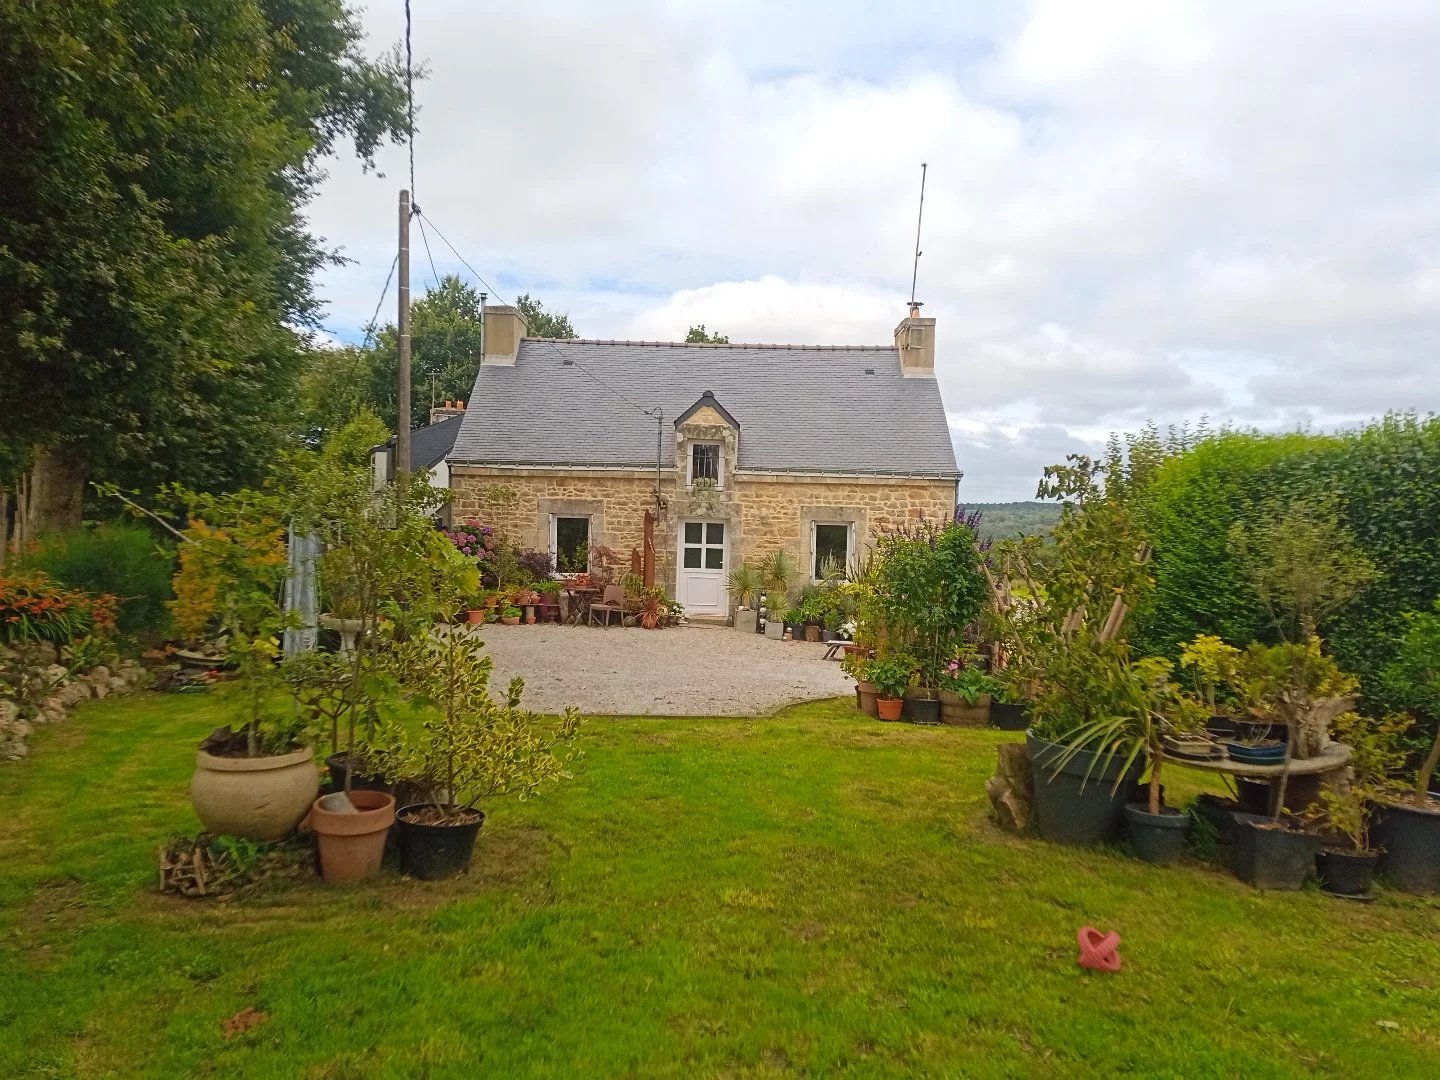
1157 838
1220 725
336 764
1010 716
435 852
1347 873
1409 837
1276 859
1077 800
922 711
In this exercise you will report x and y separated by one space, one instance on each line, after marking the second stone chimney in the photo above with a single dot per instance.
504 330
446 411
915 338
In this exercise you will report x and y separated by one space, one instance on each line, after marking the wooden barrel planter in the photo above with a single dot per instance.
958 712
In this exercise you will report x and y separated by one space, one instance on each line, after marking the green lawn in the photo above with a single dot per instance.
814 893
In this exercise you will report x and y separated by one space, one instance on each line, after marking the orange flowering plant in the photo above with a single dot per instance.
33 607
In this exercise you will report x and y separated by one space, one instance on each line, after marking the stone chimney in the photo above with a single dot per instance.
446 411
504 330
915 338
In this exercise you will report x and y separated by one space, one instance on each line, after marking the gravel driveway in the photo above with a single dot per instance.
679 671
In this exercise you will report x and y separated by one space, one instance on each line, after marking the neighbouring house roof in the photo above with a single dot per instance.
431 444
800 408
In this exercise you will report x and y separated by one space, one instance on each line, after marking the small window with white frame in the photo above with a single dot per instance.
832 545
706 463
570 543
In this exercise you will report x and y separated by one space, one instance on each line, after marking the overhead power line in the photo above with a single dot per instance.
653 413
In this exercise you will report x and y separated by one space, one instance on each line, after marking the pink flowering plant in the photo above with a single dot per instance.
473 539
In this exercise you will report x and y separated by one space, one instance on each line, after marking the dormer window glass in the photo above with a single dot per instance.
705 463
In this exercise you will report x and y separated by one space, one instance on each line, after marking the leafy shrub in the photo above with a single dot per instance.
538 564
35 608
118 558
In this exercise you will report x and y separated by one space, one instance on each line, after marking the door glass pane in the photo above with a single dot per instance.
714 558
714 533
692 532
572 544
692 558
832 550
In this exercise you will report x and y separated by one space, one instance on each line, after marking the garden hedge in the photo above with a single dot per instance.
1387 480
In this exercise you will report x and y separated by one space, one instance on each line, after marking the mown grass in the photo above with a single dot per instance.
813 893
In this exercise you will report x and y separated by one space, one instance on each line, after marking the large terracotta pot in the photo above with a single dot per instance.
352 845
261 798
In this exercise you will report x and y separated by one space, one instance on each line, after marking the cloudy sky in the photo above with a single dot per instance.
1134 209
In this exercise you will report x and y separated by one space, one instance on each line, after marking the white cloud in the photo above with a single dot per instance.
1135 209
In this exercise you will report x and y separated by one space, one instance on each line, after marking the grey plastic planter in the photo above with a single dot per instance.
1278 859
1157 838
1409 836
1081 803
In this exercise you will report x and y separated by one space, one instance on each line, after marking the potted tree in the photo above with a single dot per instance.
745 584
256 778
922 697
469 748
1345 813
1407 826
397 558
890 678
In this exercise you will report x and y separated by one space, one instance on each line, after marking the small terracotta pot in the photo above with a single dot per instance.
530 615
889 708
475 615
510 620
352 845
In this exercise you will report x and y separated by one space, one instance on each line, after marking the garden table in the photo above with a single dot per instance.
580 597
1306 774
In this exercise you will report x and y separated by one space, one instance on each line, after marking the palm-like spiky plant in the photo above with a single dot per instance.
745 582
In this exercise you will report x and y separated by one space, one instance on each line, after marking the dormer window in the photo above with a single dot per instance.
705 463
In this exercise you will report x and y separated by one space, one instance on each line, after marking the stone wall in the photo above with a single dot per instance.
764 512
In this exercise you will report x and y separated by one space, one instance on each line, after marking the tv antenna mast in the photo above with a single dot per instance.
915 273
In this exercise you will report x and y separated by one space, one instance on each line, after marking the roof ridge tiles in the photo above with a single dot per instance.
712 345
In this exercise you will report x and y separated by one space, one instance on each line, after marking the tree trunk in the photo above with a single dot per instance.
57 491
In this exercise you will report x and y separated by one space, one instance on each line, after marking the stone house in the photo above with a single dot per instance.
737 450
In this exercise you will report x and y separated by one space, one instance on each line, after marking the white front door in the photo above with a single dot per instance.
701 587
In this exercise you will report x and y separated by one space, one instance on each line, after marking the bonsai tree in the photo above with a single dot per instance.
1415 677
1212 663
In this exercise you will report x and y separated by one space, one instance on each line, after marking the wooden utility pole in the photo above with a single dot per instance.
402 390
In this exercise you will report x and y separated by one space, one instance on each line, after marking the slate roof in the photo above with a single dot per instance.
801 408
429 445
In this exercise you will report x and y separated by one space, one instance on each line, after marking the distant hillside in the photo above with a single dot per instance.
1007 519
